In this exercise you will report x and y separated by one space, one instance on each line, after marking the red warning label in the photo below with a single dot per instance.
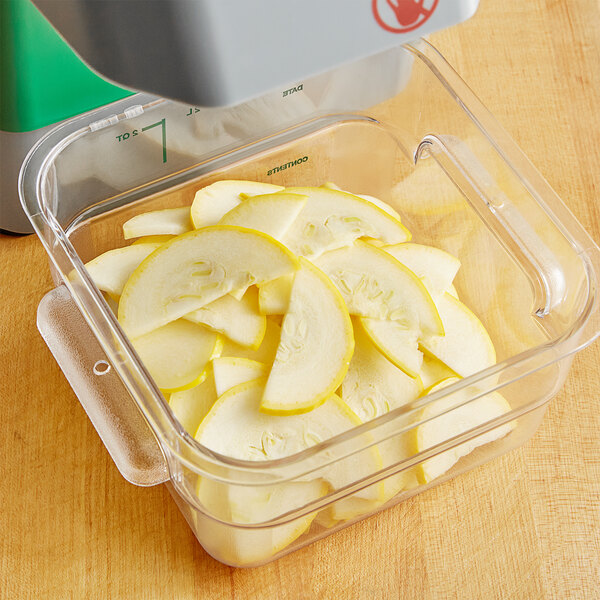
402 16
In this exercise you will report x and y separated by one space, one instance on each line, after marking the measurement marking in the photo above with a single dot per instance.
163 124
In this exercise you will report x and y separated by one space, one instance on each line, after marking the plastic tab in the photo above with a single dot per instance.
111 409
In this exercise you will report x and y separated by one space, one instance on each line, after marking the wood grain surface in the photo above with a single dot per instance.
526 525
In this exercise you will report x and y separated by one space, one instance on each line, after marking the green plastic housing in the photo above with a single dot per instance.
42 80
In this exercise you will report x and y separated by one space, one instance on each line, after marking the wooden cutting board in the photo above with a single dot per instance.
526 525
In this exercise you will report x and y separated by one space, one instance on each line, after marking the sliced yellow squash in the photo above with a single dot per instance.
433 371
177 354
196 268
332 219
265 353
376 285
434 267
274 296
466 346
315 347
217 199
438 428
238 320
192 405
373 385
111 270
230 371
169 221
397 343
244 546
153 239
372 199
272 214
236 427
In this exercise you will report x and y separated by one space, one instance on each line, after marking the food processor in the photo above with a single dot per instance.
298 94
43 83
199 52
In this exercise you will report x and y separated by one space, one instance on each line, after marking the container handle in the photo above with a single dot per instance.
531 253
115 415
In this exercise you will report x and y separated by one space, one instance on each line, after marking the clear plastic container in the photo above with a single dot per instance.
401 126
